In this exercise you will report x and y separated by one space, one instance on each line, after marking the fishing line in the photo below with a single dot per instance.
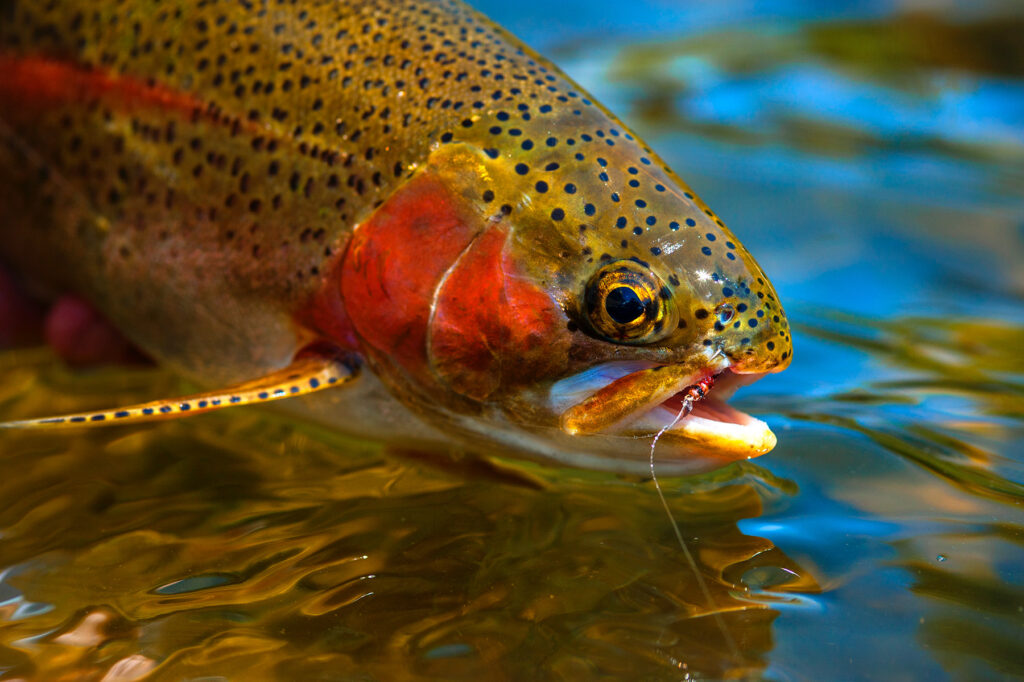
685 410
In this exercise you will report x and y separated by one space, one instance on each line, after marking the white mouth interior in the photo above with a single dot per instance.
713 409
710 418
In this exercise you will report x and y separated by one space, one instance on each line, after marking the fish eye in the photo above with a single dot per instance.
626 303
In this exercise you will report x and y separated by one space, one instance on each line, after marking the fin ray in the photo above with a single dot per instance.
302 377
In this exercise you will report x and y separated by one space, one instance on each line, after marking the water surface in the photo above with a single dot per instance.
872 157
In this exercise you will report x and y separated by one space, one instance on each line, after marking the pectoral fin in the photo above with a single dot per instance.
303 376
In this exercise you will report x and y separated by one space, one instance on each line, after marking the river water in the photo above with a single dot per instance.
872 156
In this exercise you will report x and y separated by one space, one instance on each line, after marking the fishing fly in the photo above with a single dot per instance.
692 394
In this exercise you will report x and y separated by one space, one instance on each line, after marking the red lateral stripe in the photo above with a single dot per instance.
42 82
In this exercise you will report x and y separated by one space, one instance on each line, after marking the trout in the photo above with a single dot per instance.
394 214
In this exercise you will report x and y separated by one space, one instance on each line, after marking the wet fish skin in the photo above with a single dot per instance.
198 170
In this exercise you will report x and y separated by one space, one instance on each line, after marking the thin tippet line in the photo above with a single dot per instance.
684 410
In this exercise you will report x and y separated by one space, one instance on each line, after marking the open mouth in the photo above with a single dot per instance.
640 401
712 425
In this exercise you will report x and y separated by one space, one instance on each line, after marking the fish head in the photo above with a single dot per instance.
560 293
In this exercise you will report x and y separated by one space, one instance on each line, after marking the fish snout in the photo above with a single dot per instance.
754 335
740 317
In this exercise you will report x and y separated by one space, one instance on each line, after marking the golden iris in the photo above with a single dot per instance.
627 303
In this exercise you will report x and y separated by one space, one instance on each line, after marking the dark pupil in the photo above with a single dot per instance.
623 305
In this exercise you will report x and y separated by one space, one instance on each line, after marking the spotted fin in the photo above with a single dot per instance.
305 375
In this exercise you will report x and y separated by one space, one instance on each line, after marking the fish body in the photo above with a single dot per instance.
234 182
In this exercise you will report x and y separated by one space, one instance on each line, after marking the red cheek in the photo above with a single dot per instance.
394 263
427 249
493 328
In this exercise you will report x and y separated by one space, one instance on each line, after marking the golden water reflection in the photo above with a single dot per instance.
258 549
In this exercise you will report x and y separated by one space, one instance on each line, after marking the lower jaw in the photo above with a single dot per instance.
694 444
620 453
685 449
